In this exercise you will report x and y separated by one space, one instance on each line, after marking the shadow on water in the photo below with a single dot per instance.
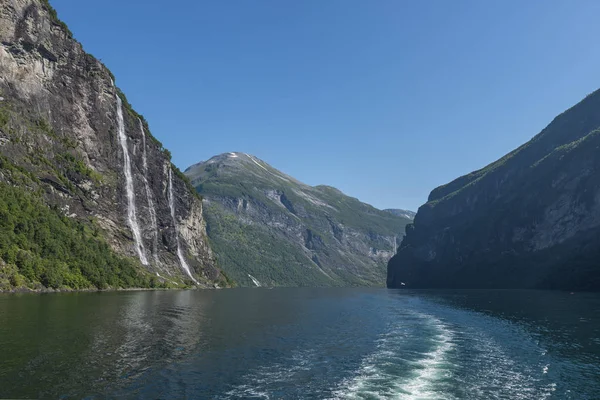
566 321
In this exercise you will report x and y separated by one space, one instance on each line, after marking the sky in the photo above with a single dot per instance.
383 99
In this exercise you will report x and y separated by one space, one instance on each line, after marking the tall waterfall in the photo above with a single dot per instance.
153 220
131 211
184 265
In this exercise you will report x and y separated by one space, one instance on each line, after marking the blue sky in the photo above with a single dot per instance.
383 99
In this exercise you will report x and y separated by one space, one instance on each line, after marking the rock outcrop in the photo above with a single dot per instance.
528 220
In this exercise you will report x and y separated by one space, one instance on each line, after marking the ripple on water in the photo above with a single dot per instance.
496 359
266 380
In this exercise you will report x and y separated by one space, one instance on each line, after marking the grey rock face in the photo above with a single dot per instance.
529 220
60 108
266 225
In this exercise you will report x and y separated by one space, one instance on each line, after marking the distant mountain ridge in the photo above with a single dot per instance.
529 220
402 213
268 228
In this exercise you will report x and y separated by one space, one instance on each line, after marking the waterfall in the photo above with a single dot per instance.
254 280
131 211
184 265
153 220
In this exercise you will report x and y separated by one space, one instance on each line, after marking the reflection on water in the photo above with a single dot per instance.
301 343
92 342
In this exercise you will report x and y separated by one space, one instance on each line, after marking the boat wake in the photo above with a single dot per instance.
402 368
422 350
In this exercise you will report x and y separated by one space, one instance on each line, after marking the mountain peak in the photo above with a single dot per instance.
241 165
232 156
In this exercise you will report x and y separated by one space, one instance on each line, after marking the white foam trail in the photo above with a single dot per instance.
182 261
256 282
375 380
419 386
153 219
131 210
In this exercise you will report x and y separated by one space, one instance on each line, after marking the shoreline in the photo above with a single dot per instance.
47 290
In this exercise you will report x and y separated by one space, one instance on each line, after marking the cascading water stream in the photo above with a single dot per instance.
255 281
153 219
184 265
131 211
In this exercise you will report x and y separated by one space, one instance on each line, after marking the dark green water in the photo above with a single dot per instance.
301 344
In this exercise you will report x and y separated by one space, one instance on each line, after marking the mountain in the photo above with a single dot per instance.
88 197
269 229
402 213
528 220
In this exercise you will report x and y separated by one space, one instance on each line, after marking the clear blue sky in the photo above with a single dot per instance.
384 99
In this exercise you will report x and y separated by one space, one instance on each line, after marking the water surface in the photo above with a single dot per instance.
301 344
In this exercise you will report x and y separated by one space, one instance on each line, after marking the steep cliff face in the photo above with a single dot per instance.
69 129
529 220
268 228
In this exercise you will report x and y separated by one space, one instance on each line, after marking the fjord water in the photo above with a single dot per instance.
301 343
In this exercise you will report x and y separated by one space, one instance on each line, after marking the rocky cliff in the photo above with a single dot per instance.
68 135
528 220
269 229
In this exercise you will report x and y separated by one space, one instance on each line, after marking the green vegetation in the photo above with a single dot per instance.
41 247
75 167
561 150
17 174
4 116
186 181
46 152
262 254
